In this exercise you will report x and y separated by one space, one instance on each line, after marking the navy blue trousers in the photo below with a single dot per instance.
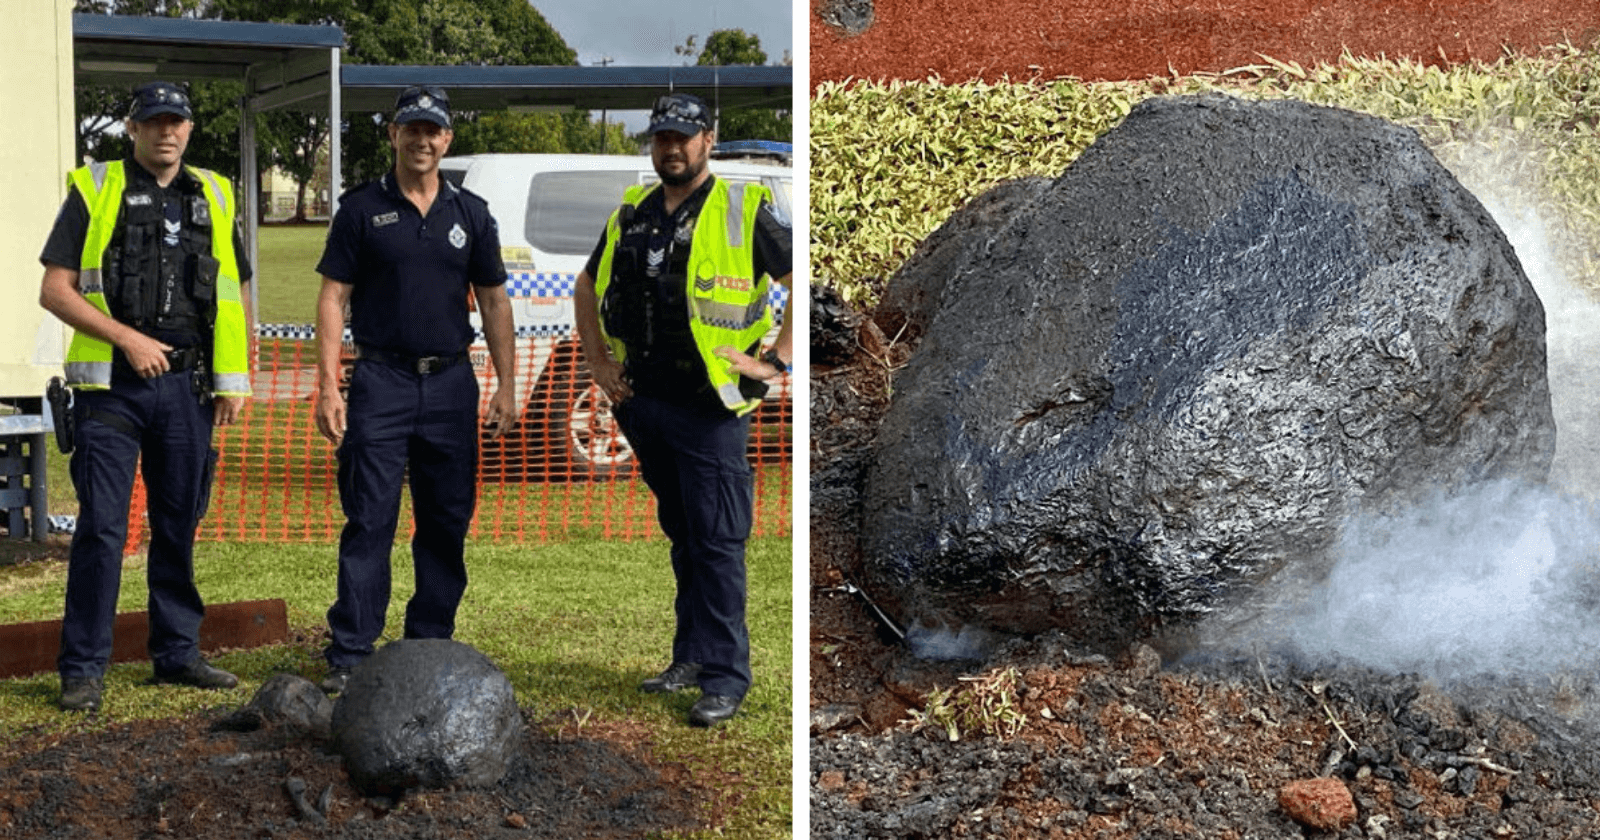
397 418
163 420
694 461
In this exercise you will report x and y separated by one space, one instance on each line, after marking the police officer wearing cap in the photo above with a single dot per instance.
402 254
145 264
671 310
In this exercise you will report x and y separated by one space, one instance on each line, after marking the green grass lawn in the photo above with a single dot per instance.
286 277
575 626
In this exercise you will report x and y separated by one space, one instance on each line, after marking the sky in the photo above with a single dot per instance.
642 33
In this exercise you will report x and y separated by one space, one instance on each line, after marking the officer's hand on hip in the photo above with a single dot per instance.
330 414
607 373
748 365
147 356
225 410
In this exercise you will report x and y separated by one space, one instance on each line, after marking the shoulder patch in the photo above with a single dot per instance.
776 213
358 188
468 193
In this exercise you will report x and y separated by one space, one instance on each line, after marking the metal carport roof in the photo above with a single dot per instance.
124 51
473 88
290 65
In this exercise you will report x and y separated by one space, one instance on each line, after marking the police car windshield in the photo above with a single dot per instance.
567 210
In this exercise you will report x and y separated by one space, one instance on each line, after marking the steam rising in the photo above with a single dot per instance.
944 643
1500 580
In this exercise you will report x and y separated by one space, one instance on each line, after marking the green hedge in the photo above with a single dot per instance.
890 162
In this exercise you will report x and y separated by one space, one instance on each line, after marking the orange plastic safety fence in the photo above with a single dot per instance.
563 472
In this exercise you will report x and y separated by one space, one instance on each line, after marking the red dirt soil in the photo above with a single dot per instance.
957 40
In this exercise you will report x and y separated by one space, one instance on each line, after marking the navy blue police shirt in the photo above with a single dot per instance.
411 274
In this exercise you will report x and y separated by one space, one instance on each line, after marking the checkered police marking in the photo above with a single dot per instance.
531 284
519 284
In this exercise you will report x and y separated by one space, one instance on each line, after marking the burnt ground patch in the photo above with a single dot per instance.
180 778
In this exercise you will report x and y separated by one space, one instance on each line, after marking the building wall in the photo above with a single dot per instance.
34 162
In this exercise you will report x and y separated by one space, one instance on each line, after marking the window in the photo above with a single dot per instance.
567 211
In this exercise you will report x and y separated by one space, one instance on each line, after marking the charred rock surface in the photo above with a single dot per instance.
1225 328
852 365
426 713
853 17
288 701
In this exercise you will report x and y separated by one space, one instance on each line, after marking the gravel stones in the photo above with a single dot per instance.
426 713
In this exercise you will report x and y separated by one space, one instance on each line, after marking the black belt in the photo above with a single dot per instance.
184 358
423 365
178 360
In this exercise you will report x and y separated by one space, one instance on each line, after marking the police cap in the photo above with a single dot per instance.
422 102
154 98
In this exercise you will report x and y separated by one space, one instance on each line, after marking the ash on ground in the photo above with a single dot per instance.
1053 745
181 779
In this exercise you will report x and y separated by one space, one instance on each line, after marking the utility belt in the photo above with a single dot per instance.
420 365
63 399
178 360
194 361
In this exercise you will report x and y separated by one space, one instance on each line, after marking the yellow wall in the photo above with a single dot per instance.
34 161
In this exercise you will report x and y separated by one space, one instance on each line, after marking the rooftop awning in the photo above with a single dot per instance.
373 88
122 51
290 66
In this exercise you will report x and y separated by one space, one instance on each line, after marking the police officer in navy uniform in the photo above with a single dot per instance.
145 264
671 309
402 254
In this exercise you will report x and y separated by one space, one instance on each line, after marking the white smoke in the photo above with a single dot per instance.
1500 580
945 643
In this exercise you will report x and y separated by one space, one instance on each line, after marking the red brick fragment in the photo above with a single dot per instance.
1322 804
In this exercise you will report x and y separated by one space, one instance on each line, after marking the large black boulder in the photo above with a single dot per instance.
426 713
1175 370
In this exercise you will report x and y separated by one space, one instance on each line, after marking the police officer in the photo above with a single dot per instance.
402 253
671 309
144 263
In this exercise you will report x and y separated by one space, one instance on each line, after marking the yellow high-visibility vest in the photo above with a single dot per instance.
727 303
88 363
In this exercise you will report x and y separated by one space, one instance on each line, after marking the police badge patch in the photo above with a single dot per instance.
458 237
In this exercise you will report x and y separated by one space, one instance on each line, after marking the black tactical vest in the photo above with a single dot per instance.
158 270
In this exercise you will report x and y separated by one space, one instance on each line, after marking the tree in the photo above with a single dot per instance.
294 142
727 47
422 32
566 131
732 46
431 32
